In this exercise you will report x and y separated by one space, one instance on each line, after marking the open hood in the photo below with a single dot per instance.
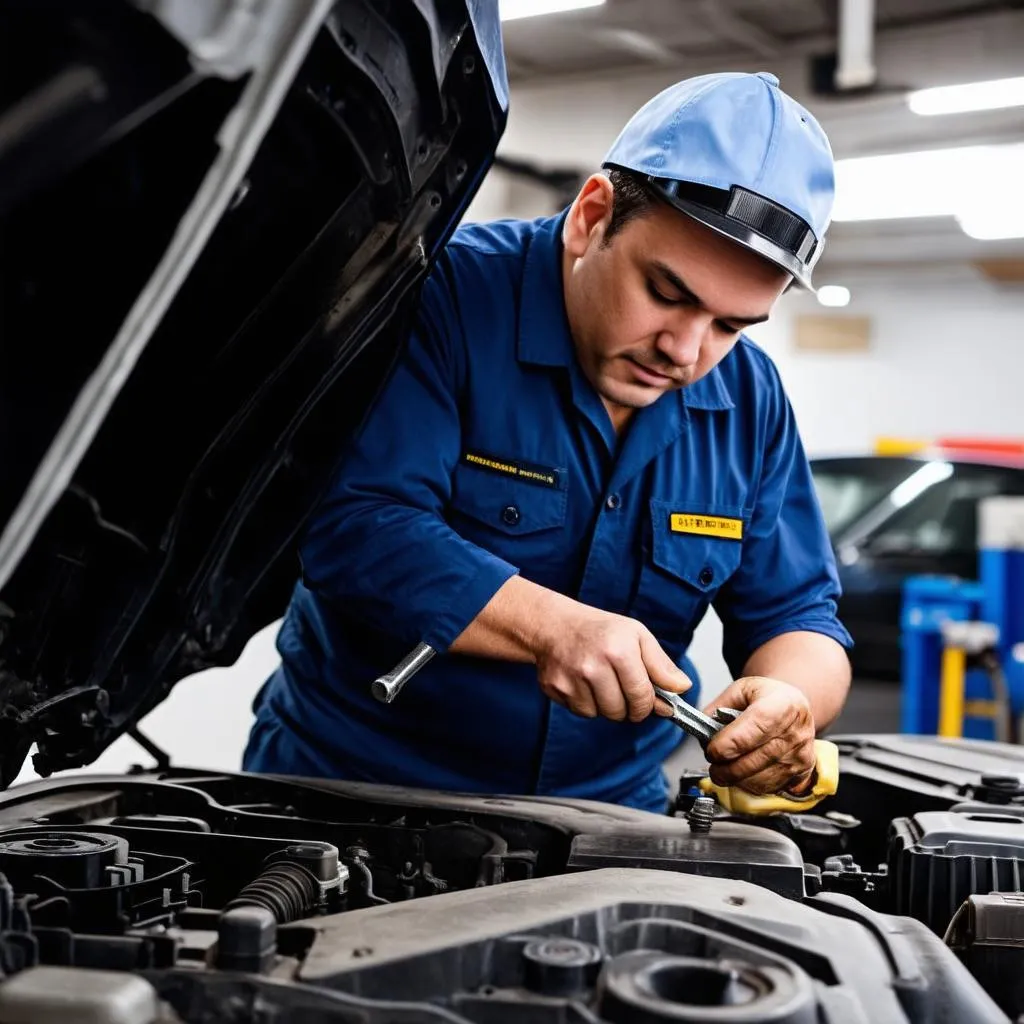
214 221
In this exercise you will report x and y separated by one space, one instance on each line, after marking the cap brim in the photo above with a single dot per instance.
744 236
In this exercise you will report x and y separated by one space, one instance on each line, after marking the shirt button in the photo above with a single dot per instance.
707 576
510 515
613 501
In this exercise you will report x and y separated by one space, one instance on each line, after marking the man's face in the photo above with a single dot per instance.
659 304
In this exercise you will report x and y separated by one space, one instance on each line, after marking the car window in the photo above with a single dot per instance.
943 518
847 488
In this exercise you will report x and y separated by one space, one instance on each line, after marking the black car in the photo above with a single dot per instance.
891 517
214 221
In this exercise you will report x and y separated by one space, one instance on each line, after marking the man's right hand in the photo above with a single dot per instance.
590 661
596 663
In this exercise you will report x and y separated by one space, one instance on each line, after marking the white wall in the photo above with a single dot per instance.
947 357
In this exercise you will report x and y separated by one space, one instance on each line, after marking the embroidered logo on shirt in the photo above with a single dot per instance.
532 474
706 526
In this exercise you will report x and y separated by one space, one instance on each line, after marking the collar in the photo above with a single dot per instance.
544 335
710 392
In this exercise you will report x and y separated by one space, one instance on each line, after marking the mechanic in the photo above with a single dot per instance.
577 453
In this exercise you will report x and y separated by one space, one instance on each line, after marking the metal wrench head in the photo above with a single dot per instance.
696 723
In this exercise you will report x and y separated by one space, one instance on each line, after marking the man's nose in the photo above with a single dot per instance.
681 343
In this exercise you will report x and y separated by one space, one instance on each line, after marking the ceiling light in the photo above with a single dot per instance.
988 227
971 183
510 10
987 215
961 99
834 295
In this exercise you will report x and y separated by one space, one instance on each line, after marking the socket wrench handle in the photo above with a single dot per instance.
388 686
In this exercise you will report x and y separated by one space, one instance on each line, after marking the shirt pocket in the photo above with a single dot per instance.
683 568
514 518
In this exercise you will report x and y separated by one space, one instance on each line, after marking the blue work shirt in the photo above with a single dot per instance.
488 454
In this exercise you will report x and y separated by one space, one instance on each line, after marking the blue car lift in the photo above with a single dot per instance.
963 640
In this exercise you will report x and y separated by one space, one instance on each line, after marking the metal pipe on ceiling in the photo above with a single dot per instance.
856 65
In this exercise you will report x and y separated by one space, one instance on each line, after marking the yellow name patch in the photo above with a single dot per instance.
706 526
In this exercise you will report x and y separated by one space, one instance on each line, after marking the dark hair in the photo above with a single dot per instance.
630 199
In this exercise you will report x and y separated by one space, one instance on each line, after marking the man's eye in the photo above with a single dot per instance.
724 328
660 297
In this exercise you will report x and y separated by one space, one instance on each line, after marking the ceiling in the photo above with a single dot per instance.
625 34
576 77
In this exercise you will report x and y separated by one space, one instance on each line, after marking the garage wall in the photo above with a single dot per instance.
946 357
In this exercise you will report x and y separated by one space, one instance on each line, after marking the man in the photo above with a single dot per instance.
579 452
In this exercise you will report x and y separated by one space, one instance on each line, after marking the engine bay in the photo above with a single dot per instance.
177 895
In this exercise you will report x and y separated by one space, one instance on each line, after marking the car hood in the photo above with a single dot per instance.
214 220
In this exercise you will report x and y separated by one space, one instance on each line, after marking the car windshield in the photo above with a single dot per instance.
943 518
848 488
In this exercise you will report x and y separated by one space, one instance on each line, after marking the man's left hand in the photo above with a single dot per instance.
770 747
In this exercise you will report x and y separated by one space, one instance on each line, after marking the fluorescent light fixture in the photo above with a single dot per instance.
962 99
918 184
511 10
970 183
917 483
992 225
834 295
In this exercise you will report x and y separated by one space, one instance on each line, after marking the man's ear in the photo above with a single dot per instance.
589 215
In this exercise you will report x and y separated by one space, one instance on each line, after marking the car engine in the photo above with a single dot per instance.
178 895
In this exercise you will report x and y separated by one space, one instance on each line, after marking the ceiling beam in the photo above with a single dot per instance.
730 26
637 43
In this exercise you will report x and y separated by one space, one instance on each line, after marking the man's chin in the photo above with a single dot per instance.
631 395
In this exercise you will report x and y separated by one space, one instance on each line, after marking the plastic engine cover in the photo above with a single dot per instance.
644 947
729 850
938 859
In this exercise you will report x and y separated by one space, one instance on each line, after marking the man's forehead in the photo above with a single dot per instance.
690 250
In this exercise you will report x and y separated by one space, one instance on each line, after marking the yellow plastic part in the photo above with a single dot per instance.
951 692
826 782
899 446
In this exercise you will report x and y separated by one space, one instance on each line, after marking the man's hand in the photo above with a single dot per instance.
770 747
588 660
596 663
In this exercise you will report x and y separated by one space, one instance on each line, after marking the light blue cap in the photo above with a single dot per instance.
735 152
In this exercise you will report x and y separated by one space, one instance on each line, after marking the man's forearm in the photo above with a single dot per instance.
813 663
510 624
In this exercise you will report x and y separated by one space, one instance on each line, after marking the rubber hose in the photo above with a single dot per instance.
287 890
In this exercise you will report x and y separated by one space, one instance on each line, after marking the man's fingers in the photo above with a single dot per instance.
661 669
635 685
607 693
764 719
661 708
563 690
773 765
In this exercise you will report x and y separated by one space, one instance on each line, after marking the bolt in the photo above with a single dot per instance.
701 815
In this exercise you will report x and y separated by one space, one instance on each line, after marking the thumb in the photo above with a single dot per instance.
736 695
663 671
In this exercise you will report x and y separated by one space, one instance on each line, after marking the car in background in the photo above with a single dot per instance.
895 516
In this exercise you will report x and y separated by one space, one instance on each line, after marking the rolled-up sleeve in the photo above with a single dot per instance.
378 546
787 579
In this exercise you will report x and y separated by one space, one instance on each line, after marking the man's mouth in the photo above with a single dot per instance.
647 375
